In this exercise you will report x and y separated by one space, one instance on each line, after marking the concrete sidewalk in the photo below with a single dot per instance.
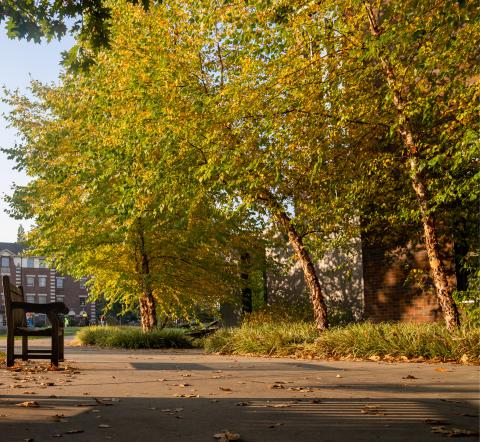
188 396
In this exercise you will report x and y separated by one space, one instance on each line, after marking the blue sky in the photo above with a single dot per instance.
21 62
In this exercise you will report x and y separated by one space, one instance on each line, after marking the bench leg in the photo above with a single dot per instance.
54 358
10 349
61 347
24 348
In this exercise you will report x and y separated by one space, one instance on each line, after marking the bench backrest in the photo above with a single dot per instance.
12 293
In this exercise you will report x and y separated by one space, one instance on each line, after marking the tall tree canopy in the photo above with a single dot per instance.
202 120
114 189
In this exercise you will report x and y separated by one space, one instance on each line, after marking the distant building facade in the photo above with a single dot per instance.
42 284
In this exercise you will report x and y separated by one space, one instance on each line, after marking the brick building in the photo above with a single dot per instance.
378 282
42 284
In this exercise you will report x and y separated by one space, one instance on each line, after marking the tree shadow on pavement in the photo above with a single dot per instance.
263 419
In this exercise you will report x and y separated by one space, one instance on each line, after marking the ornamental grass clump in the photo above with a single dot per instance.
134 338
270 339
362 340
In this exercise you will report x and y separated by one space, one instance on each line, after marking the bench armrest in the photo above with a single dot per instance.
52 307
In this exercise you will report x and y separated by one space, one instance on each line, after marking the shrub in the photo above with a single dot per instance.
134 337
364 340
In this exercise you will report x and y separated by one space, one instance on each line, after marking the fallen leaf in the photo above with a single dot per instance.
276 386
186 395
373 410
74 431
100 402
453 432
409 376
103 426
338 376
225 389
226 435
28 404
441 369
301 389
242 404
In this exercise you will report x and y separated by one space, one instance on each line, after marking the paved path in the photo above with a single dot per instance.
137 396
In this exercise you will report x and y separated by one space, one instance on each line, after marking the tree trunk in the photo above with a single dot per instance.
309 273
437 268
246 289
438 271
148 311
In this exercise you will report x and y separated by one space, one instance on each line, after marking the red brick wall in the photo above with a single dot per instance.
391 293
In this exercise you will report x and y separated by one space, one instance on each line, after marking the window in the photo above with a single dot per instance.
30 262
42 264
42 281
30 281
30 298
59 283
42 299
82 283
5 265
82 302
60 298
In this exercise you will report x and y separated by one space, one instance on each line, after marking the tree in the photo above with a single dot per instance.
47 19
21 237
261 151
114 190
411 69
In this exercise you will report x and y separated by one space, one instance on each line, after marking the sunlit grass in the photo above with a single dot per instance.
133 337
364 340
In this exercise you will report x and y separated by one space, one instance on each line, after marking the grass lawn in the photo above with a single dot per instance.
69 331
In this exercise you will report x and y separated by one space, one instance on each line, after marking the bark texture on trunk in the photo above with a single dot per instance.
148 311
438 271
309 272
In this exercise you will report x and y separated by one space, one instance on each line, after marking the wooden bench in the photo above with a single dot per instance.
16 309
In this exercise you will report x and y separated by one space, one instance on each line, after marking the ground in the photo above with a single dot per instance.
186 395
